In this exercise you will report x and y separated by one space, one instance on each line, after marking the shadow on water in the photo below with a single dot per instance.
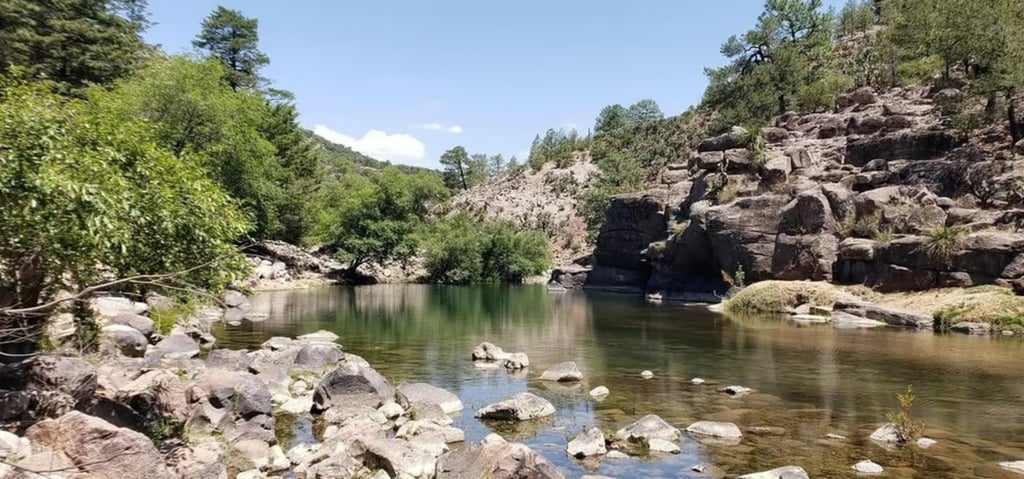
808 381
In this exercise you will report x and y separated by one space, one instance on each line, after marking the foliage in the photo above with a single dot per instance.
907 429
231 38
83 186
856 16
74 43
462 171
820 95
943 241
461 249
375 217
556 147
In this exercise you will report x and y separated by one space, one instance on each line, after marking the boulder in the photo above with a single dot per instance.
774 134
710 160
909 145
203 461
886 434
777 168
863 96
321 336
318 355
516 361
12 446
867 467
230 359
177 346
125 339
141 323
418 393
831 127
808 213
488 352
588 443
970 327
661 445
599 391
562 372
100 448
234 299
737 390
235 403
889 316
736 137
785 472
157 392
110 307
446 434
71 376
722 430
742 234
632 223
738 160
799 158
397 457
876 165
496 459
868 125
354 382
569 277
519 407
807 257
649 427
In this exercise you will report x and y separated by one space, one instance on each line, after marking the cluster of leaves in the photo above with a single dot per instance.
461 249
908 430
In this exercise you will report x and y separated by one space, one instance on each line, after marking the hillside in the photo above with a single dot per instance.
335 154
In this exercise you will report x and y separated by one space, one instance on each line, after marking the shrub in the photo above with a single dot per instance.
821 95
942 241
921 70
460 250
856 16
907 429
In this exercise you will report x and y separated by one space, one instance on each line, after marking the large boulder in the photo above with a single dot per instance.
649 427
496 458
157 393
418 393
742 234
519 407
632 222
143 324
721 430
808 213
488 352
203 461
110 307
177 346
588 443
125 339
235 403
807 257
318 355
563 372
736 137
66 375
100 448
909 145
353 383
396 457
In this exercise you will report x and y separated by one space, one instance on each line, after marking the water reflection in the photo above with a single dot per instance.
808 381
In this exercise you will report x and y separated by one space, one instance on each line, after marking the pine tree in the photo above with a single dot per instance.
230 37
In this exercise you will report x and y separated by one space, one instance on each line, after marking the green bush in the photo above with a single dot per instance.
821 94
920 70
856 16
943 242
461 250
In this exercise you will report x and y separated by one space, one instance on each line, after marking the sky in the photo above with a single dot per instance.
404 81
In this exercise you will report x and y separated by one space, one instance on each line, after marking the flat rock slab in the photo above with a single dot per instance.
785 472
419 393
889 316
649 427
520 407
723 430
495 457
1015 466
178 346
397 457
563 372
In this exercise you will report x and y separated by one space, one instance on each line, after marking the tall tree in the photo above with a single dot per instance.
232 38
456 163
74 43
612 117
644 111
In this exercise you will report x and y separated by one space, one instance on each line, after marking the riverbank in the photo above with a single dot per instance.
976 310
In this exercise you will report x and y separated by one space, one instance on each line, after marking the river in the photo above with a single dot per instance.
809 381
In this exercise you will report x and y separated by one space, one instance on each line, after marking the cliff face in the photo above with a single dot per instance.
883 192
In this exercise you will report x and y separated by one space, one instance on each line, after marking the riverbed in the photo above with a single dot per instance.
808 381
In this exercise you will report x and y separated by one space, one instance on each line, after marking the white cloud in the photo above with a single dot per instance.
456 129
394 147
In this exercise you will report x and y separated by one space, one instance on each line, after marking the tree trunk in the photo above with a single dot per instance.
462 177
782 104
1011 116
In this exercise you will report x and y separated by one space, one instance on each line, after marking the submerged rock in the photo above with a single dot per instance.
785 472
599 392
887 433
1015 466
649 427
867 467
589 443
563 372
661 445
737 390
646 374
925 443
496 458
520 407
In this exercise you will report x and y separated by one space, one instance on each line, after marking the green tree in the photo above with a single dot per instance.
82 187
644 111
195 113
461 249
856 16
233 39
301 172
73 43
496 165
611 118
373 218
456 168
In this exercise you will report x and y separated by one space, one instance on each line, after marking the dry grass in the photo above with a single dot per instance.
781 296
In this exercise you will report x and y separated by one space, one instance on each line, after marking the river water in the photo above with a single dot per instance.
809 381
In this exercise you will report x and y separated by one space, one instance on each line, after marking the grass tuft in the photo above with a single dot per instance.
942 241
781 296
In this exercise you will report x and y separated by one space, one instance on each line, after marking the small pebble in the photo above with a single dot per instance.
647 375
599 391
925 443
697 381
867 467
837 437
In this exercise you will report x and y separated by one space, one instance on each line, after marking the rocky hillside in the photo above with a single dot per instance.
883 192
547 199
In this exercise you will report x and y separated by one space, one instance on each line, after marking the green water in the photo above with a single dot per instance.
809 381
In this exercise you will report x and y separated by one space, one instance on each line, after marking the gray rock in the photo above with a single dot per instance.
970 327
203 461
567 371
599 391
126 339
786 472
317 355
234 299
391 410
710 160
886 434
519 407
649 427
141 323
661 445
889 316
516 361
723 430
177 346
489 352
445 434
497 459
867 467
67 375
109 307
397 457
863 96
235 403
321 336
925 443
589 443
737 390
230 359
736 137
12 446
87 439
418 393
159 392
354 382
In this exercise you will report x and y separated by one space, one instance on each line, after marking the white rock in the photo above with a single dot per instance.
516 361
724 430
785 472
661 445
493 438
649 427
616 455
697 381
925 443
1015 466
867 467
589 443
302 453
716 308
646 374
419 393
887 433
278 461
567 371
836 437
280 398
391 410
298 406
737 390
10 445
251 474
599 391
321 336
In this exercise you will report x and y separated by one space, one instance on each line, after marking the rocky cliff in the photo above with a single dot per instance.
883 191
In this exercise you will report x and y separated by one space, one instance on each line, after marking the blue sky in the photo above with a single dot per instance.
404 81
